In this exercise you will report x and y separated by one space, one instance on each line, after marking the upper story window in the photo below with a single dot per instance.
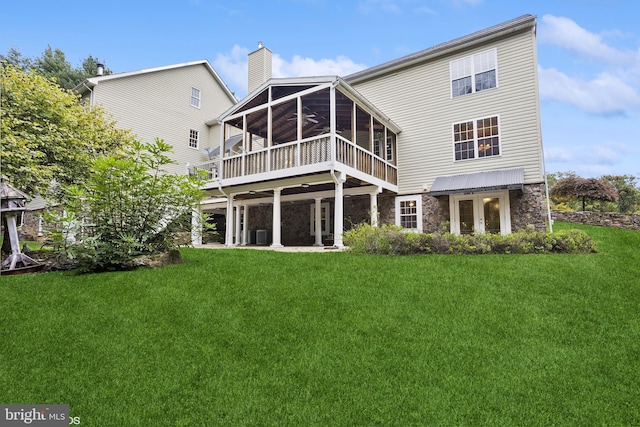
474 73
194 138
476 138
195 97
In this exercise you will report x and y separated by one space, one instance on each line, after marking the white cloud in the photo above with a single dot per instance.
566 33
305 67
591 159
557 154
606 94
232 67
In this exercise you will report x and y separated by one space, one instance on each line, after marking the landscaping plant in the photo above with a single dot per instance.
129 206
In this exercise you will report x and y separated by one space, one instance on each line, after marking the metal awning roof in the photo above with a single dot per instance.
512 179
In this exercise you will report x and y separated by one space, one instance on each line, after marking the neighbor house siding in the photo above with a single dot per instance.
418 99
158 105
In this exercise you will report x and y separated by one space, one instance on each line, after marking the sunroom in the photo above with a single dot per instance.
299 140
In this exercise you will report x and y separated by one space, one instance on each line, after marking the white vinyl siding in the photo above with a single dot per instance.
418 99
149 104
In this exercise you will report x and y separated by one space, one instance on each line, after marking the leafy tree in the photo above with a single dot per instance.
628 191
14 57
53 65
46 135
133 205
575 187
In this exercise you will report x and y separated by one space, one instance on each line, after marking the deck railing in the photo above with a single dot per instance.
301 153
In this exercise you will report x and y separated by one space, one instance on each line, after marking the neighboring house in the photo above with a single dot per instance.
446 137
171 102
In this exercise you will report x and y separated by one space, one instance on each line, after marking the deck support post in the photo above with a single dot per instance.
238 224
196 226
373 209
276 234
318 222
228 237
338 214
245 226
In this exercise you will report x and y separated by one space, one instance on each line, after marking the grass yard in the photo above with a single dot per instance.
238 337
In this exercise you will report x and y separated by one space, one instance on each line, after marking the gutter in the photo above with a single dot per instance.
90 96
515 25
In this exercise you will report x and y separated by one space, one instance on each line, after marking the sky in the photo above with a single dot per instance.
588 51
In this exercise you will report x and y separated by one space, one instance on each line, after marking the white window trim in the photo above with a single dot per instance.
473 72
478 210
198 98
416 198
197 139
475 138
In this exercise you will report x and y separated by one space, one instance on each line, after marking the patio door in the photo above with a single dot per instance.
480 213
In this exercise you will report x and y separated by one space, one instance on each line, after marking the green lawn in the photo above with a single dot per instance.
238 337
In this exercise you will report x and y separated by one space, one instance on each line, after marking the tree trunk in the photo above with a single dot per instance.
583 203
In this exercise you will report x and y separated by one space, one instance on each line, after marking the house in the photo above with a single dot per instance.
448 136
172 102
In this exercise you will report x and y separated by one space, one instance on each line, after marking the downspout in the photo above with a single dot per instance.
546 188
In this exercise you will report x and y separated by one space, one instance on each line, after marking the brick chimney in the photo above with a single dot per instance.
260 67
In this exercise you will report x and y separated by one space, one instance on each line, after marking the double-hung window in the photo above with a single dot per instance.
409 212
195 97
474 73
194 138
476 138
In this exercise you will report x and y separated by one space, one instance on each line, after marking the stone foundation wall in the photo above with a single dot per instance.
528 207
435 213
604 219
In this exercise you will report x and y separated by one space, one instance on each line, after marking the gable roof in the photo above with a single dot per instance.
516 24
326 81
93 81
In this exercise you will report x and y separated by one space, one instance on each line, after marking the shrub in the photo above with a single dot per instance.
128 206
394 240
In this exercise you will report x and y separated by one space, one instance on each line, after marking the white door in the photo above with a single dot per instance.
480 213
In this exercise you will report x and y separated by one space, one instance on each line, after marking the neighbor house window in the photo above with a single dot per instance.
409 212
476 138
195 97
193 138
474 73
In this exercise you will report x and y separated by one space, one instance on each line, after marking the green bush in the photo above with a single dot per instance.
394 240
129 206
